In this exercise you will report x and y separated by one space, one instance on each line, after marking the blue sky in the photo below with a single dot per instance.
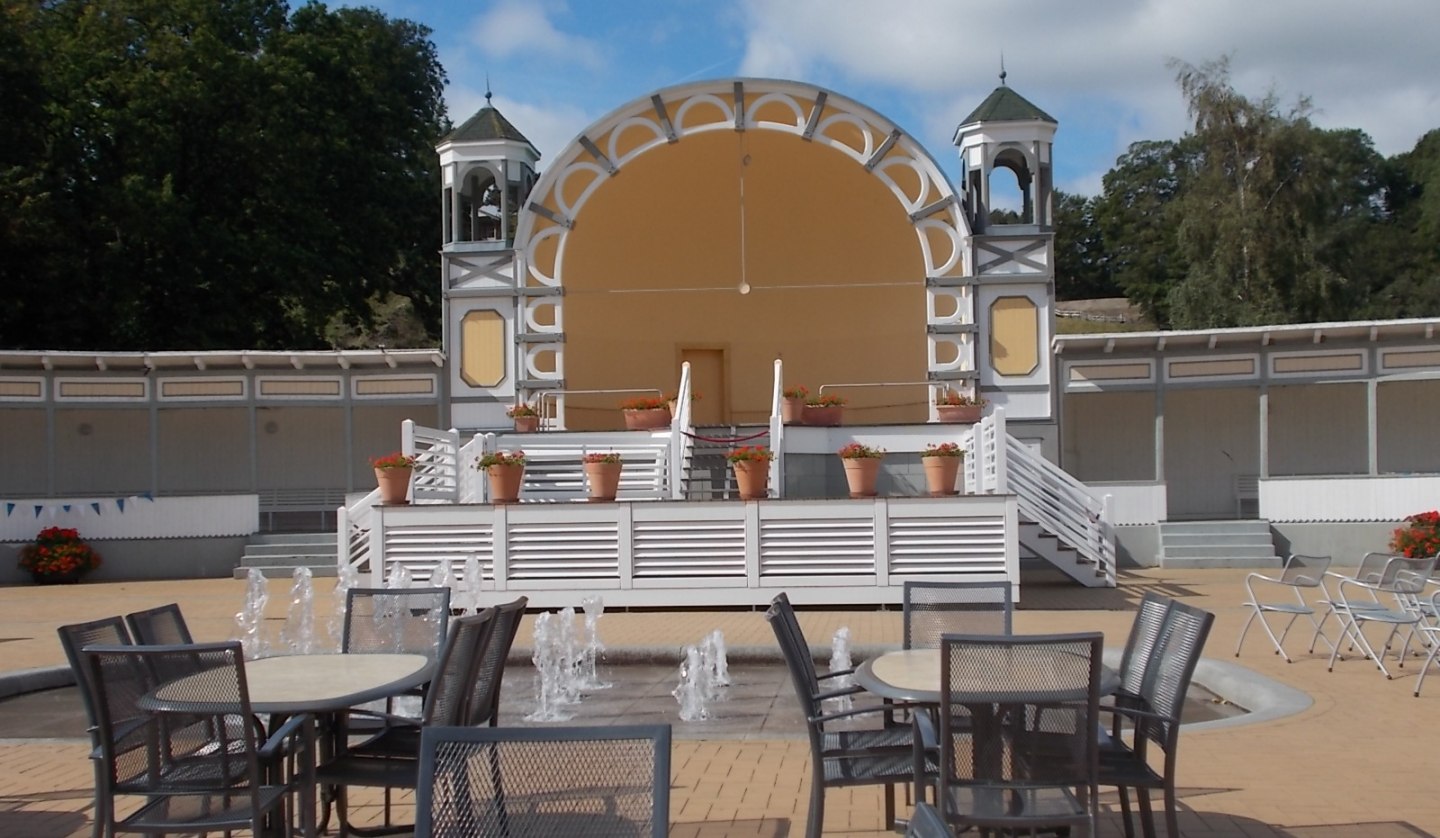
1097 66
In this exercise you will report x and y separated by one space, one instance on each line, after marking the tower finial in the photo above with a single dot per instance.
487 89
1002 67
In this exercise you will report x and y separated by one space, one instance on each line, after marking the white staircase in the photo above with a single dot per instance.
1061 521
1218 544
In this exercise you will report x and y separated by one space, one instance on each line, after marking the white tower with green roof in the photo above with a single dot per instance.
1008 140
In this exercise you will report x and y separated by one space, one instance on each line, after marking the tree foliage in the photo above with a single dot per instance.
213 173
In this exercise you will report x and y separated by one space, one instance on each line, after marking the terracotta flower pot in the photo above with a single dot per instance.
825 417
394 485
940 475
647 420
792 411
505 482
862 473
526 424
69 577
603 480
752 478
964 414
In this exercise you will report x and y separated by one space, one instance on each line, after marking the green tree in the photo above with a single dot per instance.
1136 223
225 175
1082 270
1271 211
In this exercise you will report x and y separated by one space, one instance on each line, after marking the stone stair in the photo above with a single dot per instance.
278 554
710 476
1217 544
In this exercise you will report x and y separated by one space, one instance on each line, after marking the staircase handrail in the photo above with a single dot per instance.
352 532
998 463
436 478
682 441
777 431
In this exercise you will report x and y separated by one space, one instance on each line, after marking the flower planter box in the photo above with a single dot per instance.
647 420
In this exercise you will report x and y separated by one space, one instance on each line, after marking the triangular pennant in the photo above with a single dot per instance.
9 507
38 510
149 497
65 506
96 507
120 504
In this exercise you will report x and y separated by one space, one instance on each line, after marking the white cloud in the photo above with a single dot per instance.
513 28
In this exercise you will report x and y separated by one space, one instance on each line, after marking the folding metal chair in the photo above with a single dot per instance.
1386 601
1299 573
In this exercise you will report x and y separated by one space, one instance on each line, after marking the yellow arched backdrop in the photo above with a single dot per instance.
656 255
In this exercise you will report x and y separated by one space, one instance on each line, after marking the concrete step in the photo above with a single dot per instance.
307 548
1213 527
1216 538
294 538
1239 551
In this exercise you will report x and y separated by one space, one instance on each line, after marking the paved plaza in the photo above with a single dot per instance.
1357 762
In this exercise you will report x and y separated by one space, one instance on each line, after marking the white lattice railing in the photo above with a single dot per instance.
694 553
997 463
682 440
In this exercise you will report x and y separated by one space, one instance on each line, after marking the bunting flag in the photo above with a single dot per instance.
84 507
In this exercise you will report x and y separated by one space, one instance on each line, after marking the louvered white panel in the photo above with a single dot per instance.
561 550
817 546
947 545
421 548
689 548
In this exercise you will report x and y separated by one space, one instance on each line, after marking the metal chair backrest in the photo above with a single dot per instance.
75 637
926 822
160 626
160 753
936 608
396 620
1172 665
1144 631
449 693
1303 571
1018 713
781 616
1406 576
484 702
521 782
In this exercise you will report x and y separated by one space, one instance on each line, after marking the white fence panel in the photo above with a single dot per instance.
1360 498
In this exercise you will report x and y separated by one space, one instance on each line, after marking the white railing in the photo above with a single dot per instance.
705 553
682 441
554 464
997 463
352 533
436 478
777 432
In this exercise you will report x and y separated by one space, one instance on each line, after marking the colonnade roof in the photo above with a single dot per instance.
1251 337
344 359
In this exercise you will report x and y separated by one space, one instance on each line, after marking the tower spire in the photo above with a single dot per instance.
1002 67
487 89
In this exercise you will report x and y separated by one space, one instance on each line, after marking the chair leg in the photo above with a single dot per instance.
814 827
1147 812
1425 667
1125 812
1245 628
890 806
1172 811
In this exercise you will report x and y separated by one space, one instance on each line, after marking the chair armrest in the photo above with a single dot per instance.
851 713
840 693
275 746
836 674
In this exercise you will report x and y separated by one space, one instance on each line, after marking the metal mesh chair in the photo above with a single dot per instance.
108 631
1299 573
390 759
396 620
483 706
1155 718
1027 756
1388 601
520 782
926 822
196 756
1431 632
936 608
847 757
1371 566
161 626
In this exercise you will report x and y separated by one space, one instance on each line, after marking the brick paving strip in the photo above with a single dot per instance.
1356 763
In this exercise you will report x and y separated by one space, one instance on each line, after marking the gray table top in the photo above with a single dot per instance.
291 684
913 675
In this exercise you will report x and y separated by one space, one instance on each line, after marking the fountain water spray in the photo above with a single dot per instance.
714 668
691 691
470 598
347 578
568 653
589 675
298 635
250 622
546 655
441 577
839 662
399 577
